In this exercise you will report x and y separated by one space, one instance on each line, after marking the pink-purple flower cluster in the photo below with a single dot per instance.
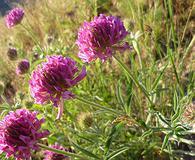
100 38
52 80
49 155
19 133
14 17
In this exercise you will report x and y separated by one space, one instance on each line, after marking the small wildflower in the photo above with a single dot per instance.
100 38
19 133
23 67
14 17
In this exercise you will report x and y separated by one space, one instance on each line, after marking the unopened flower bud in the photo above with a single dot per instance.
12 54
23 67
28 103
85 120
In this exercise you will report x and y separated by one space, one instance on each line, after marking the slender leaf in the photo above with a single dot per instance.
86 152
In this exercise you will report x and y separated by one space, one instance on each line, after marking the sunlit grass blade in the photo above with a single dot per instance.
119 95
155 84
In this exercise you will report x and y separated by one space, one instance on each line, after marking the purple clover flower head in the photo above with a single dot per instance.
100 38
19 133
14 17
52 80
23 67
12 54
49 155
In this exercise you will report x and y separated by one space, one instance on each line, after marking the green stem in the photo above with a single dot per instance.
137 49
189 48
170 53
170 11
62 152
98 106
135 81
148 118
187 22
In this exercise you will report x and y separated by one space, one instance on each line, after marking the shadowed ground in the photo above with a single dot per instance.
5 5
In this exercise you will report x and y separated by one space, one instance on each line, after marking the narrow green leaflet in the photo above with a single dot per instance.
86 152
116 153
114 131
